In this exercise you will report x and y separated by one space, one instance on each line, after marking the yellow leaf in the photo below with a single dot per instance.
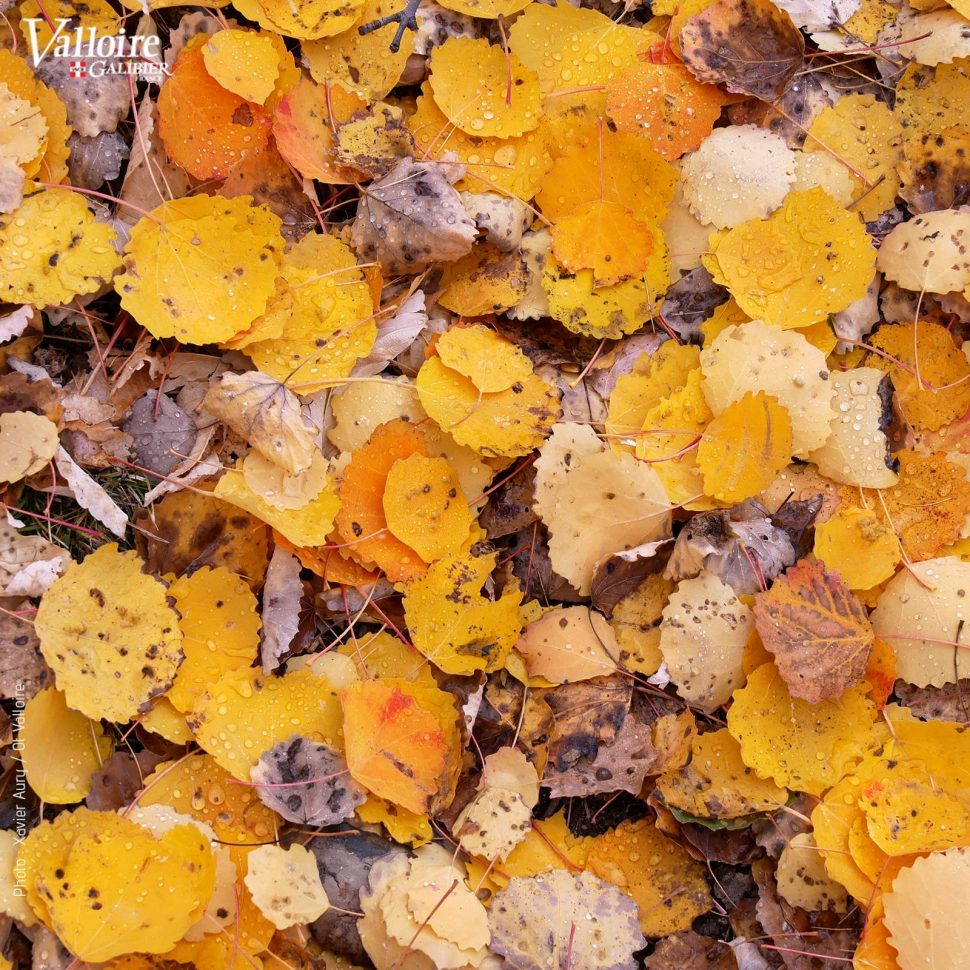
802 746
28 441
201 268
107 631
483 90
451 622
485 281
101 875
607 238
308 525
243 714
809 259
302 18
60 773
745 447
243 62
655 872
502 424
220 631
285 885
856 545
491 363
866 137
331 324
717 783
53 248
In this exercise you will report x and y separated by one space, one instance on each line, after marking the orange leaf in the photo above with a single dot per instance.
817 630
403 742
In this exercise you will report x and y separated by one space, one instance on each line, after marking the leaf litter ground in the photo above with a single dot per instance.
486 486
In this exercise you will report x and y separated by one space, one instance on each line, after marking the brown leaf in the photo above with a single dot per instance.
23 671
818 631
750 46
691 951
119 778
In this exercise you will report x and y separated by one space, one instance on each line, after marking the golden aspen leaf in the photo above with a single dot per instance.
245 63
331 325
361 63
931 99
408 828
864 135
53 248
23 131
102 887
21 82
607 238
483 90
810 258
243 714
636 625
424 506
510 166
281 490
665 105
935 169
568 644
874 951
745 447
196 529
457 628
857 449
503 424
380 655
652 379
921 615
801 746
108 632
716 783
165 720
757 358
570 47
802 879
306 19
932 376
603 503
485 281
817 630
705 628
60 773
489 361
359 409
267 414
617 168
922 909
929 253
361 521
926 509
738 173
303 128
833 820
308 525
751 48
854 543
220 631
403 742
821 170
197 785
915 800
486 9
606 311
181 278
28 441
671 890
670 432
206 128
285 885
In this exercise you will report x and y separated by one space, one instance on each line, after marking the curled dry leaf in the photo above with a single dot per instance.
267 415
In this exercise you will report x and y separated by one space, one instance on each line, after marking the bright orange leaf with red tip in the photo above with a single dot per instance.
207 129
403 742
